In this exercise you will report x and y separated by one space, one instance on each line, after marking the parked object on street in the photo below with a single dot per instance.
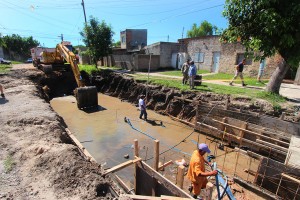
3 61
29 60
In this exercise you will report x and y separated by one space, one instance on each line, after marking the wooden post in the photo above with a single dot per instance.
282 116
261 109
279 185
224 120
226 104
242 132
155 165
180 176
136 154
156 155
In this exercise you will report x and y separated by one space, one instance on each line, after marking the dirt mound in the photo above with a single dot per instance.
37 158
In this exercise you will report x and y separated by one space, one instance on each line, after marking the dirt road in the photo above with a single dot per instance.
37 160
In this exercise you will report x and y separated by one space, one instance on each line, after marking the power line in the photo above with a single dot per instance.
172 16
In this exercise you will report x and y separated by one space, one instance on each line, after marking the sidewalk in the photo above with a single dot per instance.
290 91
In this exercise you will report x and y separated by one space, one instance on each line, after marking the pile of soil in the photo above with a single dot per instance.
37 158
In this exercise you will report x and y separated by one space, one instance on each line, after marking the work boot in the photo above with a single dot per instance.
243 84
2 95
230 84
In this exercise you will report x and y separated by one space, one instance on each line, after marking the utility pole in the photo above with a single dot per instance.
168 38
82 3
61 37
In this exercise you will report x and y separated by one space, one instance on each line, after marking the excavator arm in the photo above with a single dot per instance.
86 96
70 57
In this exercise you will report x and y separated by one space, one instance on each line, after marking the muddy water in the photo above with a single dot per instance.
106 135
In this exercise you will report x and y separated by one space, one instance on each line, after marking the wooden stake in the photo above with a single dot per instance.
136 154
156 155
121 166
180 176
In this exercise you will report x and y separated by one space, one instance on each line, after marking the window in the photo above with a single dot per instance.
123 39
199 57
240 57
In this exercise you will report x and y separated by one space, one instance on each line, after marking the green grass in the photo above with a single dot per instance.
178 72
216 88
8 163
88 68
111 68
4 68
16 62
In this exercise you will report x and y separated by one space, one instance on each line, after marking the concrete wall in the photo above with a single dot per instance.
142 62
206 45
229 54
135 39
165 50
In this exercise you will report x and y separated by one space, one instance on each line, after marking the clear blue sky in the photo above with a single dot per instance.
165 20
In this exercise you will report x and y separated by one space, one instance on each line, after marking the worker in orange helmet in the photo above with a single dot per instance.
196 173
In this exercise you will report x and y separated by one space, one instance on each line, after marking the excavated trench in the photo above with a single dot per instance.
161 100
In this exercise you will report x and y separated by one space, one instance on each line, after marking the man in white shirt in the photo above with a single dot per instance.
142 106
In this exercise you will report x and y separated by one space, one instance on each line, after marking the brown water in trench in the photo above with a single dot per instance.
108 138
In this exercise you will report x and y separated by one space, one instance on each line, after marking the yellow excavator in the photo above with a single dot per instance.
86 96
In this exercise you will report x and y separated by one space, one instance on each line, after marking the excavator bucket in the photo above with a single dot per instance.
87 97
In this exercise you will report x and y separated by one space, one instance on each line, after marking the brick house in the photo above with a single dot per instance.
210 54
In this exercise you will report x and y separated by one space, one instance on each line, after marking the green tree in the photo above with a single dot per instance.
19 45
267 26
98 38
117 44
204 29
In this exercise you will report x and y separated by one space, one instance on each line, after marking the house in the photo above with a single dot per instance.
209 53
133 39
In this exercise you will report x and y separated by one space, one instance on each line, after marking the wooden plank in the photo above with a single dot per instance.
291 178
161 167
163 180
272 145
242 129
121 166
140 197
121 182
136 154
164 197
156 155
180 176
80 146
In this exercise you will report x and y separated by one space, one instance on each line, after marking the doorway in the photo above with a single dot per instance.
216 60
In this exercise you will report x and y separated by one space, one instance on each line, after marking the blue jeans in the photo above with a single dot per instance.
143 112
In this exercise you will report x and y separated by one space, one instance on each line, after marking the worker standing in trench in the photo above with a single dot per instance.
196 172
142 106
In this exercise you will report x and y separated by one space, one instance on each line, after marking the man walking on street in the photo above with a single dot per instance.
185 71
196 172
239 72
192 74
142 106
